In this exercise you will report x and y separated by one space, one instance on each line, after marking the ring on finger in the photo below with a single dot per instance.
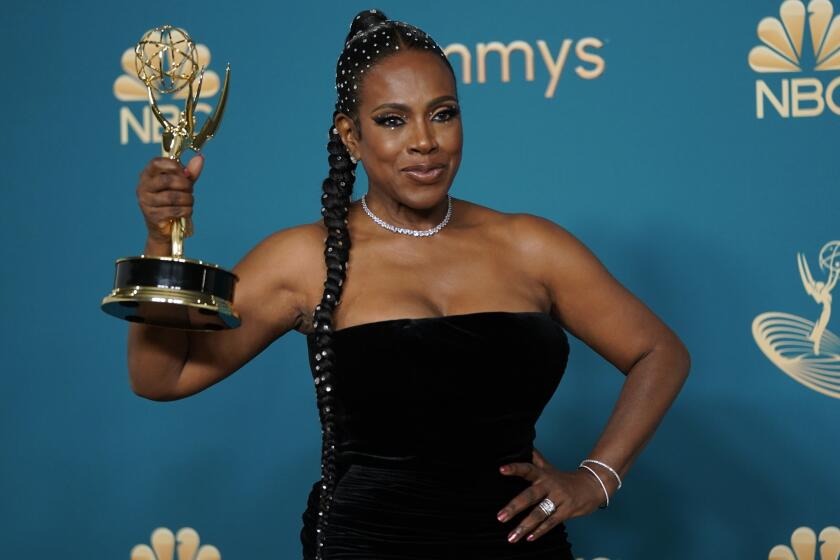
547 507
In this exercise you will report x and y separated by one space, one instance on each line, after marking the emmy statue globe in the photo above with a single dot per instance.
174 291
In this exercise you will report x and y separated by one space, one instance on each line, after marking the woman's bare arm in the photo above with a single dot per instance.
598 310
168 364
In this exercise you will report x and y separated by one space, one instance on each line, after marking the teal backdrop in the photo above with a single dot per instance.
655 157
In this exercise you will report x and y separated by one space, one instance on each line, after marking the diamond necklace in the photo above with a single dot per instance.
406 231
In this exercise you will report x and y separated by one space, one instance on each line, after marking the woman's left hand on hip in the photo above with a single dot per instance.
573 493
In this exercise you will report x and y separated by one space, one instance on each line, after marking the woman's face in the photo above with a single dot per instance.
411 136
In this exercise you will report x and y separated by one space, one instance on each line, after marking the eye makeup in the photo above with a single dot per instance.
393 120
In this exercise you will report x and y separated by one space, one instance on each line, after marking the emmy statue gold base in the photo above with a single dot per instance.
173 292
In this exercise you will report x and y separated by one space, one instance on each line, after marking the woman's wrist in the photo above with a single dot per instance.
157 247
603 476
602 467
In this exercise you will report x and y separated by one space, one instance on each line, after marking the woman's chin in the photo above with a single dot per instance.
424 197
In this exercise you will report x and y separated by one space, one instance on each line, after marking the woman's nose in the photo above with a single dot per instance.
423 140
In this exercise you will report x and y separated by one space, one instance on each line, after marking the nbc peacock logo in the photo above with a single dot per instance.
806 350
165 545
783 51
137 120
803 545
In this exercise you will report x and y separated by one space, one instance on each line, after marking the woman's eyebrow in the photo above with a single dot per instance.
402 107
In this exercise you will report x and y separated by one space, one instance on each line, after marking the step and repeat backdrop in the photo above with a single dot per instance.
692 147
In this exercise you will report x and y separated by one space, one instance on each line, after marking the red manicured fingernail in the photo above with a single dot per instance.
186 172
530 537
504 469
502 516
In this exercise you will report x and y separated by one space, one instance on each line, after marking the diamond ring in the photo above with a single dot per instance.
547 507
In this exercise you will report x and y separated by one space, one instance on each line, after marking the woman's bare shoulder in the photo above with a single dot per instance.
527 231
290 258
301 236
298 241
533 244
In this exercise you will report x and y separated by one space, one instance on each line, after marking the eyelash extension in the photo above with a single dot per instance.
382 120
451 111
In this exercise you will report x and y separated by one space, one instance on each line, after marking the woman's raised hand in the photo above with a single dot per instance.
165 191
573 493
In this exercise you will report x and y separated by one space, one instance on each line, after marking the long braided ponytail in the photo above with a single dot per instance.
372 37
335 200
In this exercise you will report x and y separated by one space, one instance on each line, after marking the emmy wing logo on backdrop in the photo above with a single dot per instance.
806 350
137 120
783 50
164 547
803 545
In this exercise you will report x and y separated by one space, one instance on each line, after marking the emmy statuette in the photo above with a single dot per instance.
174 291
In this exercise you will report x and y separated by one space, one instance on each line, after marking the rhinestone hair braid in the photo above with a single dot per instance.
372 38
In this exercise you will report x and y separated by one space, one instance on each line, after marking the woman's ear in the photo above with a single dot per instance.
349 134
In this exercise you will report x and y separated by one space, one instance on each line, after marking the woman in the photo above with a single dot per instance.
434 358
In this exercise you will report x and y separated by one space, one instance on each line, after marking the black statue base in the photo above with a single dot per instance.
173 292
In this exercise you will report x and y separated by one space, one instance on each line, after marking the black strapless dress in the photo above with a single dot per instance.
428 409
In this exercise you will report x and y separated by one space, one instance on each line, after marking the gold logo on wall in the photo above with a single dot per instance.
783 38
805 350
585 51
142 125
783 41
164 547
803 542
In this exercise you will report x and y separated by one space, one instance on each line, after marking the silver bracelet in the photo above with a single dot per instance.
601 482
606 466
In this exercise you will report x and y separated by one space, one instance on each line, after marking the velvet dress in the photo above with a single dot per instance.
427 411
